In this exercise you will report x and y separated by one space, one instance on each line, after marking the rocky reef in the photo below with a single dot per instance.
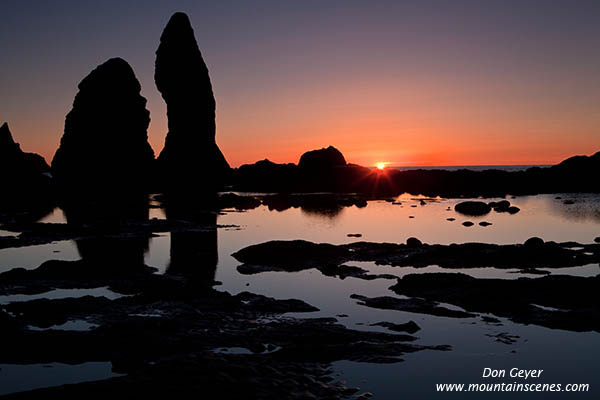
190 161
105 144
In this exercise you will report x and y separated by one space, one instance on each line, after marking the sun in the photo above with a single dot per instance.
380 165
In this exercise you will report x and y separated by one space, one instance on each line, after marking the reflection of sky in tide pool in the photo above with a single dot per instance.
566 357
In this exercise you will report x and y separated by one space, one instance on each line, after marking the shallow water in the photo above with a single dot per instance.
17 378
567 357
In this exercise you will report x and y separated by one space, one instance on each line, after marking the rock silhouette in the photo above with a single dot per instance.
105 142
322 159
190 159
25 177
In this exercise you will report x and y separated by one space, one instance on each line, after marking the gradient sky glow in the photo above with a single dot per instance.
404 82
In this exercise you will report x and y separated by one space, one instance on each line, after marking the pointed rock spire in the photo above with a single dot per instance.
190 159
7 143
105 142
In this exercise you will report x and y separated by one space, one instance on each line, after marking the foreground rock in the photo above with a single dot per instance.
559 302
105 143
26 182
190 160
299 254
414 305
166 333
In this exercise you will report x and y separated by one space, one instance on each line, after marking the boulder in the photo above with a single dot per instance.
322 159
413 242
105 142
190 159
534 242
473 208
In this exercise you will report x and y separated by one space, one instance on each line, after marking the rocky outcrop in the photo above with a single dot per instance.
321 159
190 159
25 177
105 142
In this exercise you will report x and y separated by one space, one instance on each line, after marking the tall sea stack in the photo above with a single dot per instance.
105 143
191 161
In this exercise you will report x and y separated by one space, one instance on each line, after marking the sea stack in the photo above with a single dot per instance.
25 177
190 160
105 143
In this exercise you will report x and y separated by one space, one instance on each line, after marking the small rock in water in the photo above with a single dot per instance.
411 216
513 209
413 242
397 203
450 219
485 223
568 202
472 208
468 223
413 205
500 206
422 202
354 235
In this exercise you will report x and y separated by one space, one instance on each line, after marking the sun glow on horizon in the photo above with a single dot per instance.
380 165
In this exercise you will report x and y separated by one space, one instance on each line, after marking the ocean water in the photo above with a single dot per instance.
565 357
508 168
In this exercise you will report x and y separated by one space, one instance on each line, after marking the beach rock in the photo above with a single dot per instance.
190 161
500 206
534 242
513 210
485 223
468 223
410 326
597 240
472 208
414 305
413 242
322 159
105 143
357 235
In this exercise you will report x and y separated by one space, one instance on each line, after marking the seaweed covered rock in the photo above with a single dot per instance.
190 159
105 142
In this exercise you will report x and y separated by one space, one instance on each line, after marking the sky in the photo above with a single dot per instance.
403 82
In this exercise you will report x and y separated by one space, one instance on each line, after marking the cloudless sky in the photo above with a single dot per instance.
405 82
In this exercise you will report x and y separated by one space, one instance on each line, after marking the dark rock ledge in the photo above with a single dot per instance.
298 255
163 336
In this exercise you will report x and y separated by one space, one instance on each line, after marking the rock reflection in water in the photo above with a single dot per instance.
106 248
193 254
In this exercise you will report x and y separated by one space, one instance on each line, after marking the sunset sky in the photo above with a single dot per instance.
402 82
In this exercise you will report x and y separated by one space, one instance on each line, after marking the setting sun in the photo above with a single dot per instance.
380 165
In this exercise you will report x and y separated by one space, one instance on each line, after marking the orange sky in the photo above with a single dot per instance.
423 83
